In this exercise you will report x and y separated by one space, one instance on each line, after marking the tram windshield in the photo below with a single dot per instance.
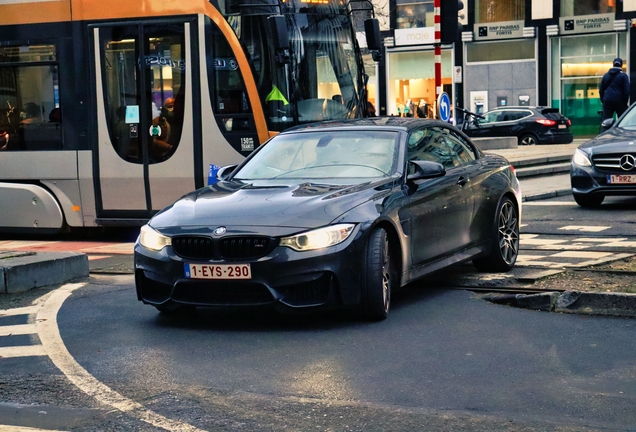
318 78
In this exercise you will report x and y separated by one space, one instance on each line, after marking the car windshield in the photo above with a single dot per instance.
323 155
629 121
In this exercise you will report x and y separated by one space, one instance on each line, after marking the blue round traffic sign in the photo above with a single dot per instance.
443 107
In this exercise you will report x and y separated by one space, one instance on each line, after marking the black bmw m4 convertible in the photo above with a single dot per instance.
334 214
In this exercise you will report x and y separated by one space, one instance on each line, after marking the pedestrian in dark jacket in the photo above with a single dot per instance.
614 91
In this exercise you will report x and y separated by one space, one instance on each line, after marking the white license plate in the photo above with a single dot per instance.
621 179
217 271
562 126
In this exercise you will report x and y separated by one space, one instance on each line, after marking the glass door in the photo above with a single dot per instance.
144 111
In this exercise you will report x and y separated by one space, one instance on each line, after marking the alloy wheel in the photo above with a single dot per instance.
508 232
386 275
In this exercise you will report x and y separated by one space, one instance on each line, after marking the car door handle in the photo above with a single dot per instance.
462 181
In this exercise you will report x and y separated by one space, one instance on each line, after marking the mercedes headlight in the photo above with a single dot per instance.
581 158
318 238
151 239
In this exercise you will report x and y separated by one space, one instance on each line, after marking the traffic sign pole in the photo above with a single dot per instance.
438 50
443 107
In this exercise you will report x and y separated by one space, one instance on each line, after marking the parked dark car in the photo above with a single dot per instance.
531 125
606 165
335 214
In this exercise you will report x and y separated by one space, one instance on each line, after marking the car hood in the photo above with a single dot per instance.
615 140
268 203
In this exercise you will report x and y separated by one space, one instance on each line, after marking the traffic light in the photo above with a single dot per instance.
449 20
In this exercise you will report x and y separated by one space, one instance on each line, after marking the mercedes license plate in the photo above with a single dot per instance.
621 179
562 126
218 271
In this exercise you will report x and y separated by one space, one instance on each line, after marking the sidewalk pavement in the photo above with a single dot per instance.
542 187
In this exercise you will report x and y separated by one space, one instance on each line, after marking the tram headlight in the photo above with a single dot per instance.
151 239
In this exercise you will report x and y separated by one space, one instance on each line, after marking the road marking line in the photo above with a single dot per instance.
620 243
522 257
565 246
578 254
548 264
598 239
97 257
18 244
22 351
585 228
28 310
550 203
19 329
542 242
116 248
9 428
54 345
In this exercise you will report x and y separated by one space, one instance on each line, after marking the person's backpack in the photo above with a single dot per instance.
609 83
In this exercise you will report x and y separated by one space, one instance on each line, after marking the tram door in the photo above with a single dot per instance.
145 104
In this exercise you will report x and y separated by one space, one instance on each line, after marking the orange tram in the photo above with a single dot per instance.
110 111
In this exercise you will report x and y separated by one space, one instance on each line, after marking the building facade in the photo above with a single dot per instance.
513 52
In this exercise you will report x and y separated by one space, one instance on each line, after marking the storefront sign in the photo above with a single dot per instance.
587 24
415 36
498 30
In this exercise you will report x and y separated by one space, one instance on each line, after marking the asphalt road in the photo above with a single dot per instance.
615 215
443 360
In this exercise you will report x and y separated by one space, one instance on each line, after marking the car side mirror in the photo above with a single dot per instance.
426 170
225 171
606 124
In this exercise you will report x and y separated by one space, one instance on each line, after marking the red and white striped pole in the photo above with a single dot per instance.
438 52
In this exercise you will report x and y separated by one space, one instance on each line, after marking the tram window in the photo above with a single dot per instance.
119 69
226 82
29 99
163 61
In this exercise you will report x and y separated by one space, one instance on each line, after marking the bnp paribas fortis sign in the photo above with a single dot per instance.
586 24
498 30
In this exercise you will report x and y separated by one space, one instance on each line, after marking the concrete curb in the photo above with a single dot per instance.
544 195
23 271
573 302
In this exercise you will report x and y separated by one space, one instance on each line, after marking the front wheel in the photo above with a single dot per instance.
528 140
505 243
376 292
588 201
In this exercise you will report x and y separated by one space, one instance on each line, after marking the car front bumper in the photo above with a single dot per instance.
590 181
284 278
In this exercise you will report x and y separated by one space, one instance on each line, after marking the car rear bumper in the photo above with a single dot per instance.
556 138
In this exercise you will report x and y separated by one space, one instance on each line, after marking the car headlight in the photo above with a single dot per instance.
580 158
318 238
151 239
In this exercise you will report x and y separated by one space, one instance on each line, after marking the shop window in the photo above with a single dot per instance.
487 11
500 51
578 65
587 7
412 82
410 14
30 114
